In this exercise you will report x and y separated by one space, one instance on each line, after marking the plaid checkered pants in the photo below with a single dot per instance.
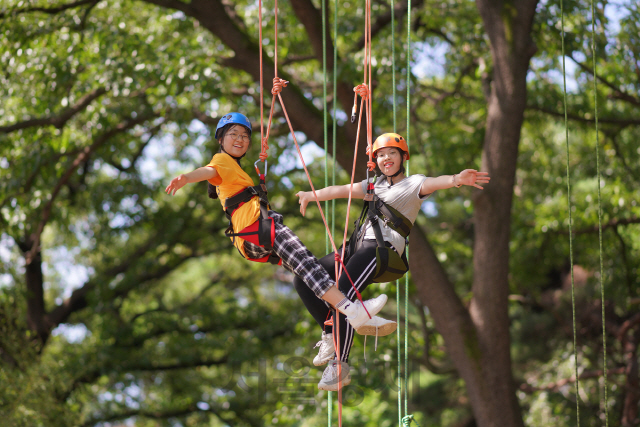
295 257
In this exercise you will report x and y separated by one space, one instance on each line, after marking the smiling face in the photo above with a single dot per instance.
389 160
236 140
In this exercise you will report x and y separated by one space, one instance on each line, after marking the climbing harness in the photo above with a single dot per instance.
390 265
262 232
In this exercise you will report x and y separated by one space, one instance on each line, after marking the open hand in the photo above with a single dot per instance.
176 184
305 198
473 177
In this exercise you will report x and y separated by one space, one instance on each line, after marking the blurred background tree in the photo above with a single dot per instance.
122 306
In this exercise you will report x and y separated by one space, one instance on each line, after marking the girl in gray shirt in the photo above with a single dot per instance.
403 193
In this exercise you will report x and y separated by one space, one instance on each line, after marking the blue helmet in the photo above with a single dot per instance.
233 118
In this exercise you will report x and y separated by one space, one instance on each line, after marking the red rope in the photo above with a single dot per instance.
365 93
263 151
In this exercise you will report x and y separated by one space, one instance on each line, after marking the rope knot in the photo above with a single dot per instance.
406 421
263 149
362 90
278 84
337 257
371 165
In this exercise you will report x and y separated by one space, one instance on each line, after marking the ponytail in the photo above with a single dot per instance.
212 191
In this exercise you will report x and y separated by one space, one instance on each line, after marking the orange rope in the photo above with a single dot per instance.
365 93
263 151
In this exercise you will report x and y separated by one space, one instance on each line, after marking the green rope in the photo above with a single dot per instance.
406 338
395 114
595 97
406 277
324 112
393 61
335 98
573 301
398 338
326 152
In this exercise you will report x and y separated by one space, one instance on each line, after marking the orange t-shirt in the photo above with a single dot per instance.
231 180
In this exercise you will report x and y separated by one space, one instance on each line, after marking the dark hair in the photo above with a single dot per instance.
212 190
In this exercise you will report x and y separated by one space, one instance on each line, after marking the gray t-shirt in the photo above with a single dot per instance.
403 196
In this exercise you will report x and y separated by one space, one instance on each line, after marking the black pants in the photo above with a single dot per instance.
361 267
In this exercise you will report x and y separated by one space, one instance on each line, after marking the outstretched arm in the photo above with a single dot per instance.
466 177
329 193
200 174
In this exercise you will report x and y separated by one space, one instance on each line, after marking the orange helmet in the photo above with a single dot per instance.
390 140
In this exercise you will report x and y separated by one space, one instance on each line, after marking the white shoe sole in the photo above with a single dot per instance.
323 361
380 331
371 310
334 387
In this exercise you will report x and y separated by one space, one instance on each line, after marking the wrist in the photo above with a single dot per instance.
454 181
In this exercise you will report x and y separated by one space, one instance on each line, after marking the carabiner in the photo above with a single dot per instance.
255 165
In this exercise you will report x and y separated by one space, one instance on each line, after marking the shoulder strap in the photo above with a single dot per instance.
393 217
373 219
235 201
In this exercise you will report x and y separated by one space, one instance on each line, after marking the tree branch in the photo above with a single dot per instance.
158 415
426 359
383 20
214 281
528 388
618 153
292 59
627 325
152 133
172 4
311 19
304 115
444 94
50 10
618 93
613 223
84 154
176 366
603 120
60 120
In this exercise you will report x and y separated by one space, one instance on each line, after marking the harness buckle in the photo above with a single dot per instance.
368 197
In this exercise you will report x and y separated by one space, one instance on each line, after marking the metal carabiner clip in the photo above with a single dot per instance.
255 165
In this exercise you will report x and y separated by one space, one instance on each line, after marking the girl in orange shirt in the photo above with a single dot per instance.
224 172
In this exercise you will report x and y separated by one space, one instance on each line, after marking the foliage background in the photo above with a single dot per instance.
104 101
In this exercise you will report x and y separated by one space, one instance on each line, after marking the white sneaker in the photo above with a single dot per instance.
373 306
327 350
377 326
329 381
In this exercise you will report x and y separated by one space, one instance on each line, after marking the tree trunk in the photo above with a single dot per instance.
478 339
632 382
36 314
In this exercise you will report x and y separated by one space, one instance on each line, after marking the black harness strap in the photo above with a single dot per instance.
265 222
375 210
391 216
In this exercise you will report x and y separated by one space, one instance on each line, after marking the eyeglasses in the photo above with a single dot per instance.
243 137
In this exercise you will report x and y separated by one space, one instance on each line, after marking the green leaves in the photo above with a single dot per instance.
101 103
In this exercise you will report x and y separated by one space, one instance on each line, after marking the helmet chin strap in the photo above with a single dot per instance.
399 171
